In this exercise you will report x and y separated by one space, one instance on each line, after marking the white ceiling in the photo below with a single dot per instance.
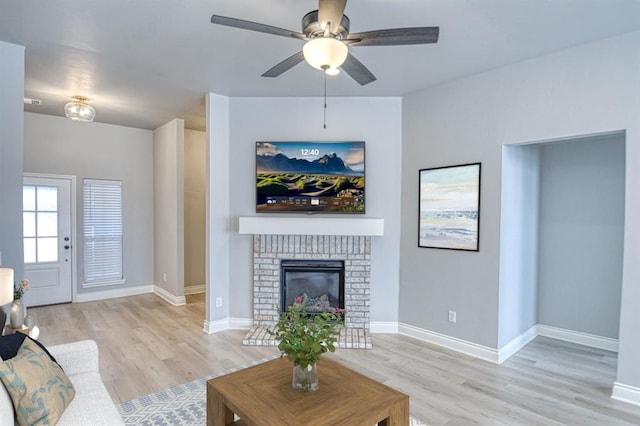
145 62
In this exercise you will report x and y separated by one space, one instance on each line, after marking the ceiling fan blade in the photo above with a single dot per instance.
254 26
285 65
357 71
331 11
395 36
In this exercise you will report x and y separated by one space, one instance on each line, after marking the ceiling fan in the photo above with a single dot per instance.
326 33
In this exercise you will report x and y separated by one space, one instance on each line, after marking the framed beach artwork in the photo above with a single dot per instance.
450 207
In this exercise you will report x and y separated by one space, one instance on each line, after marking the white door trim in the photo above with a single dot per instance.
74 260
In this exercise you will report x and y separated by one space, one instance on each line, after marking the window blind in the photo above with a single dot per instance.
102 231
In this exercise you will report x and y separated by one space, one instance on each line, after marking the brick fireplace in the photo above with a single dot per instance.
353 250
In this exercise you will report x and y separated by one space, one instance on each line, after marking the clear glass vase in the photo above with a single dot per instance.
305 379
16 314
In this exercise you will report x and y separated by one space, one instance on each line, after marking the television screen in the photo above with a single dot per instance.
325 177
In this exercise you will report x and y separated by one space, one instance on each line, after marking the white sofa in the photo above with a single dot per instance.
92 404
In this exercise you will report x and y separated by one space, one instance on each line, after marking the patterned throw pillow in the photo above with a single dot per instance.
10 344
39 389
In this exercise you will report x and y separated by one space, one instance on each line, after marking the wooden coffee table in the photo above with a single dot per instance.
262 395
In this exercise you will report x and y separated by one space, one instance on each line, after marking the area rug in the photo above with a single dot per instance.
184 405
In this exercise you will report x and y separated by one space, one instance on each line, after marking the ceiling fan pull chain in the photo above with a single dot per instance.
325 98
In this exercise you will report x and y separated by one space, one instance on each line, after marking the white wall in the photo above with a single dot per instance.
377 121
581 235
168 210
194 208
11 153
586 90
518 242
58 145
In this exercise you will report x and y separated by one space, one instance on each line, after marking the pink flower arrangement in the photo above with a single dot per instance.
20 289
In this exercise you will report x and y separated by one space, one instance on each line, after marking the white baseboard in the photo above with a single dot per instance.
453 343
211 327
240 323
113 293
505 352
383 327
172 299
194 289
578 337
626 393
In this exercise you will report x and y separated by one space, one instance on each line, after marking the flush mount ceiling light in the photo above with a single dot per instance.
79 110
325 53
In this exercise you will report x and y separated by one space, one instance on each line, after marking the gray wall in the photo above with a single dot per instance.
219 222
518 241
58 145
168 206
581 235
377 121
590 89
11 152
194 208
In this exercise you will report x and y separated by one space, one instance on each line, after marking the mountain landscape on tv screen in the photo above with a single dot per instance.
327 164
294 184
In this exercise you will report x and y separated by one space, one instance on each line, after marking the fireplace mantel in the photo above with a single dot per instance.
262 225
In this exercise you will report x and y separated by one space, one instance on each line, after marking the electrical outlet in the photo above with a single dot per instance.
218 302
452 316
164 276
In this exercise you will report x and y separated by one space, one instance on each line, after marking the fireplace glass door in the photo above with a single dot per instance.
319 284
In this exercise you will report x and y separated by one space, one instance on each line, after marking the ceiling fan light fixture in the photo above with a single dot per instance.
325 53
79 110
332 71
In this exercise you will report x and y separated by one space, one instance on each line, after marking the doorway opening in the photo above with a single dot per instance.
562 228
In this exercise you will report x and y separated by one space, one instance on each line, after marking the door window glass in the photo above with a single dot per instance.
40 223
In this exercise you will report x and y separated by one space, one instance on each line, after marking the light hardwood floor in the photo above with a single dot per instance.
146 345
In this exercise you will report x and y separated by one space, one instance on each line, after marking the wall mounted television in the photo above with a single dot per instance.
308 177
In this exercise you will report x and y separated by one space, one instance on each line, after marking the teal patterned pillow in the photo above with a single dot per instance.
39 389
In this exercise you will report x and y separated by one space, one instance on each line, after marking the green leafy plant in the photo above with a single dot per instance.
303 338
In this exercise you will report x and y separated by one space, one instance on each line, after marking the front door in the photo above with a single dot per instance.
47 239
